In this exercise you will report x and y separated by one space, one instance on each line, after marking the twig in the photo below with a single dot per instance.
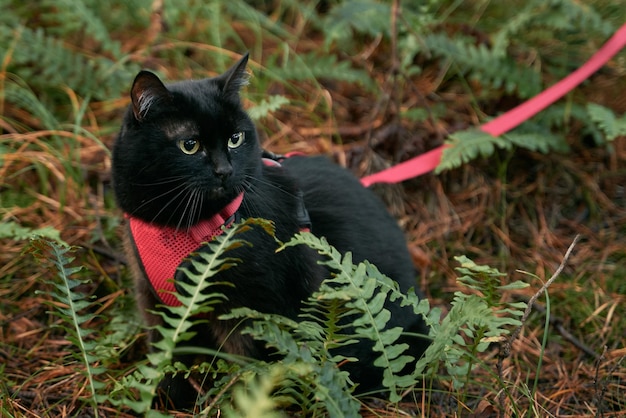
226 387
505 350
533 299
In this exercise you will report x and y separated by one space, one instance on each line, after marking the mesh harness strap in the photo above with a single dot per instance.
161 249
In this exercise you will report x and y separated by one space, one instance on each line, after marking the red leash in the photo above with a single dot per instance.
428 161
408 169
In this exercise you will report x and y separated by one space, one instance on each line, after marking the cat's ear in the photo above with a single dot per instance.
235 78
147 89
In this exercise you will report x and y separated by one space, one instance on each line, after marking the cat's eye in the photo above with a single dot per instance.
236 140
189 146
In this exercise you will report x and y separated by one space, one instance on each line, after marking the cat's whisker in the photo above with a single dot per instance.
186 217
157 197
266 183
190 207
249 187
163 181
256 207
185 189
189 197
196 210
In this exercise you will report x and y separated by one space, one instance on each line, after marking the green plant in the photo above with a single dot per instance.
12 230
322 71
75 311
607 122
512 60
348 307
474 322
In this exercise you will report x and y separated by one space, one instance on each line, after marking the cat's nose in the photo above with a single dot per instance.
222 168
223 171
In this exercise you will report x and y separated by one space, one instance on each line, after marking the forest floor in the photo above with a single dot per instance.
518 211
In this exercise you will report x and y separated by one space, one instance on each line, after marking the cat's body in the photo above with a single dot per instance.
186 151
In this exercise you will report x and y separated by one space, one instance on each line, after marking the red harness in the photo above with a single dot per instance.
161 249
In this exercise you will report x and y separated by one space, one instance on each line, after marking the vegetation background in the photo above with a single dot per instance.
369 83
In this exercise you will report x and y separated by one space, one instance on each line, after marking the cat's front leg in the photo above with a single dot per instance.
236 290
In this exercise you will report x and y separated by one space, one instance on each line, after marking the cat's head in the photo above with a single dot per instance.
185 150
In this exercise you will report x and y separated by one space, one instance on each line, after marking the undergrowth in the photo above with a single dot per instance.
309 377
371 83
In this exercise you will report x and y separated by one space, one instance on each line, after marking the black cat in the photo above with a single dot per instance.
187 161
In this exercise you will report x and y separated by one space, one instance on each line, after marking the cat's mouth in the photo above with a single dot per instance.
217 192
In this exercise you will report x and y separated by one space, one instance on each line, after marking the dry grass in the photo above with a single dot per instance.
524 220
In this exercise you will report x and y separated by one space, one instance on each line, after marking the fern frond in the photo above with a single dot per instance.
313 66
307 365
323 327
307 375
46 60
365 291
17 92
539 140
245 11
13 230
564 16
196 299
267 106
570 15
72 307
270 388
256 398
611 125
484 279
348 18
485 65
276 330
474 143
69 17
468 145
481 320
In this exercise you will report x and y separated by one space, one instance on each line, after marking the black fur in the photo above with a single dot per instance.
156 181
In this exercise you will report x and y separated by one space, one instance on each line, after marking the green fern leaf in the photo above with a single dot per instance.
46 60
256 398
468 145
17 92
267 106
474 143
540 140
313 66
304 367
357 16
348 307
607 121
485 65
481 319
13 230
367 289
68 17
195 299
70 306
